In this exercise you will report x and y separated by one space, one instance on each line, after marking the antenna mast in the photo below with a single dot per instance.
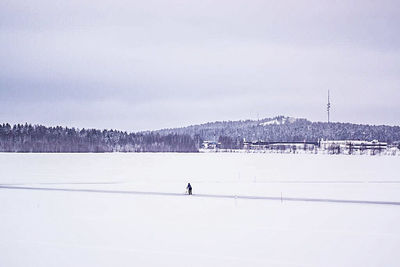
328 107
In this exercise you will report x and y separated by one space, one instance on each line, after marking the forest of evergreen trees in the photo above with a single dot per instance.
231 135
38 138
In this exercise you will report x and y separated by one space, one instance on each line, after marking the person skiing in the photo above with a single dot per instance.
189 188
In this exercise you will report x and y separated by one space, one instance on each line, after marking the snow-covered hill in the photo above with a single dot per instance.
278 121
281 128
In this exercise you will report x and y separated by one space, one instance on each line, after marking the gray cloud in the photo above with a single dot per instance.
134 65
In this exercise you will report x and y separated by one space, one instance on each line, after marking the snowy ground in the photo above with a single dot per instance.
98 228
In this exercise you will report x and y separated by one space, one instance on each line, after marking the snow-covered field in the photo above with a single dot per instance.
106 222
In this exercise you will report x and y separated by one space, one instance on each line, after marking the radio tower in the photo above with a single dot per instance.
328 106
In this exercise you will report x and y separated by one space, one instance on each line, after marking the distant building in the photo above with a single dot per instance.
211 145
330 146
333 146
352 145
262 145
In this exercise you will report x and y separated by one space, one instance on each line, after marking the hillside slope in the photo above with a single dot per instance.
232 133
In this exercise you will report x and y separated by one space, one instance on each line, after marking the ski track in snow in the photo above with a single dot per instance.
345 201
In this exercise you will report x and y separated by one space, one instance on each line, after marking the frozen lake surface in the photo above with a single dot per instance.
103 215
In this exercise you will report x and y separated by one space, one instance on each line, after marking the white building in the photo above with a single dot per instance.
210 145
352 145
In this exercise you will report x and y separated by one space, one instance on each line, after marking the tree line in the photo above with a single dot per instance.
38 138
232 134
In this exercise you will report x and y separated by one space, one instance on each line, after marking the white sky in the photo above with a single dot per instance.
136 65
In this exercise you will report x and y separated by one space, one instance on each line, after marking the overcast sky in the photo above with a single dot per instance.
137 65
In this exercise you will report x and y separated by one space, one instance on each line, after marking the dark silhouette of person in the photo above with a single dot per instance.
189 188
